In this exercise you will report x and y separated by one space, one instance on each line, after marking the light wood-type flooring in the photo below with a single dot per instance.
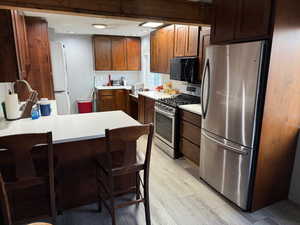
179 197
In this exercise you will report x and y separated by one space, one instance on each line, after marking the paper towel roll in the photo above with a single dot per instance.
12 107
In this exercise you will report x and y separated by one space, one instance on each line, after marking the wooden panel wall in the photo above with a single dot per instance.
174 11
281 119
40 73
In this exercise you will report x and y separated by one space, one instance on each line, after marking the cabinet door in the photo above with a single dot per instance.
133 46
149 110
40 73
165 48
21 42
141 109
119 61
225 12
192 41
107 103
181 39
120 100
8 57
102 51
253 19
154 51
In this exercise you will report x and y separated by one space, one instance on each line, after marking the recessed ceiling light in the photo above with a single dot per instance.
151 24
100 26
70 32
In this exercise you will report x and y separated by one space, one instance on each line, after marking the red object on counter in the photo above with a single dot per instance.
85 106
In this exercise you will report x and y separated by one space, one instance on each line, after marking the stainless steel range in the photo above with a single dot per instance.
166 122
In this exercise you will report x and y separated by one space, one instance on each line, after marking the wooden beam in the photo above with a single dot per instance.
175 11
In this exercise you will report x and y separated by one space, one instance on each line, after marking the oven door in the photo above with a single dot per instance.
164 126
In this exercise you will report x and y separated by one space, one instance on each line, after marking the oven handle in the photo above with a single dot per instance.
170 115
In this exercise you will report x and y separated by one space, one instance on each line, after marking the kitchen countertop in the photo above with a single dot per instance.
194 108
113 87
154 94
69 128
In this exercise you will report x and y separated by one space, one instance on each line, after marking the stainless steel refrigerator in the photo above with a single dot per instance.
231 87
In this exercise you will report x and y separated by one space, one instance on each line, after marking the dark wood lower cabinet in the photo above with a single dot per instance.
133 107
190 150
110 100
190 135
145 109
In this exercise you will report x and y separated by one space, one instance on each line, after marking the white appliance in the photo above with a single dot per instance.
60 77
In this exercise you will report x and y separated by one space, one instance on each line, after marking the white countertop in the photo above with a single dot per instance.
113 87
155 94
69 128
194 108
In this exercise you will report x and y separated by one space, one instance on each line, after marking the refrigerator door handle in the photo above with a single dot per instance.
208 87
240 150
202 89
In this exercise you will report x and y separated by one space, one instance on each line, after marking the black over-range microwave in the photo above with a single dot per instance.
185 69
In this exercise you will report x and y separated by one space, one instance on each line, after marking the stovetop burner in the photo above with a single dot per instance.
182 99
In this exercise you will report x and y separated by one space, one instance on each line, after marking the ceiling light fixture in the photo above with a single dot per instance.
151 24
100 26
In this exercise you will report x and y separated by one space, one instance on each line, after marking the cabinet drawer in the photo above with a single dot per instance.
190 150
106 92
190 117
190 132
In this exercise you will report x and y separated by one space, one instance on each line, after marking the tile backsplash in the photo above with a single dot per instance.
132 77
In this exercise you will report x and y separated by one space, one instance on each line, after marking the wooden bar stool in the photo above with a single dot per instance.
21 147
124 139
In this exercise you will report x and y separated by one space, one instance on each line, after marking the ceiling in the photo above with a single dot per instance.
83 25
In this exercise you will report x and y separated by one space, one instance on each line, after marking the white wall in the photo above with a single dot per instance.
295 184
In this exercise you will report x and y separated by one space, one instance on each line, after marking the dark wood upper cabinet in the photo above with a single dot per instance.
9 71
133 46
239 20
224 20
117 53
40 72
186 40
154 41
162 49
166 48
102 52
254 17
192 41
181 39
20 34
119 56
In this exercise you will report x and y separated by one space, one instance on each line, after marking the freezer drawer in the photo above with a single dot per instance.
226 169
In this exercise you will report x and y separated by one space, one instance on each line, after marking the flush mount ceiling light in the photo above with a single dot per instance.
151 24
100 26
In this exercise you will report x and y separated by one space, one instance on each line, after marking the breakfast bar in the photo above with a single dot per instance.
77 140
